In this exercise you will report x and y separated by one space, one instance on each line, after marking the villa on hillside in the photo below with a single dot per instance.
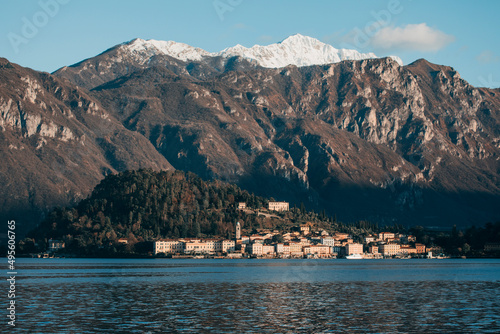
279 206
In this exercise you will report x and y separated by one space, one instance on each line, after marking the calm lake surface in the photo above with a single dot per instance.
257 296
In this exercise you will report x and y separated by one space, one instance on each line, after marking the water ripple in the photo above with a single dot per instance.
191 300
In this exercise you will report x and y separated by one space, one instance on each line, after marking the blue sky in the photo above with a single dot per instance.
48 34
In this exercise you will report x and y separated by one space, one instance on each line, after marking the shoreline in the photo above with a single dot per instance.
202 257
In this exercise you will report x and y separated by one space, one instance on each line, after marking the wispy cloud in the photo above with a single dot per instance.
412 37
487 57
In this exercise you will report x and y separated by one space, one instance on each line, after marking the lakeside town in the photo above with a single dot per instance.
306 244
307 240
295 245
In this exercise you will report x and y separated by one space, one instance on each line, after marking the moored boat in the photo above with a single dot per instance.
354 257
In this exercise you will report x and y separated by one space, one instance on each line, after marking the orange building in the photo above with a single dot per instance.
352 248
407 249
420 248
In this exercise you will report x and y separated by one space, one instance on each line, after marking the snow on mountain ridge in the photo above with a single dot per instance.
296 50
145 49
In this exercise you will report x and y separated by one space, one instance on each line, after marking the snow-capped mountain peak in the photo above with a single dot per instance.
296 50
145 49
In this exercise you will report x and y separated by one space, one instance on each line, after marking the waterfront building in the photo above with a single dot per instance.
194 246
295 249
389 249
278 206
336 250
373 249
197 246
353 248
282 249
267 249
255 249
318 250
407 250
420 248
228 246
169 246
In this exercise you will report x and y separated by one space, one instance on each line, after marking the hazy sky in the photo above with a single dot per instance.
48 34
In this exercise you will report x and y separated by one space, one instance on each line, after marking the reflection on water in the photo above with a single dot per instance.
130 296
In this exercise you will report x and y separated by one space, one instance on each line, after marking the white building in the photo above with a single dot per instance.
194 246
267 249
169 246
278 206
369 239
228 246
255 249
328 241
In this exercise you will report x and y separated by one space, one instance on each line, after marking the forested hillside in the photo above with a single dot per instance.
144 205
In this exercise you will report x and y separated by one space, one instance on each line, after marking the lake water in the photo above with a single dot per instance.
257 296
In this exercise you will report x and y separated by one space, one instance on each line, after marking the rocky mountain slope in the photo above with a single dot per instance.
365 139
57 142
362 139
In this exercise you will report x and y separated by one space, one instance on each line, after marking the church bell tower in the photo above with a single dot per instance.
238 231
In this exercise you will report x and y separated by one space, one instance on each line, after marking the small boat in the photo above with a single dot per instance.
354 257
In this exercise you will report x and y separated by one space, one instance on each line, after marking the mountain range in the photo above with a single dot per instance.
361 137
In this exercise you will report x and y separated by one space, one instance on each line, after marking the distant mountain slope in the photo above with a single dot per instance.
56 143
